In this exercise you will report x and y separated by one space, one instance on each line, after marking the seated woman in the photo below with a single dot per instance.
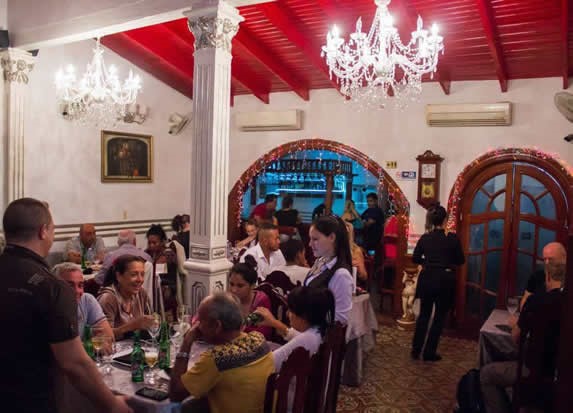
242 282
310 312
357 254
331 269
123 299
251 228
181 224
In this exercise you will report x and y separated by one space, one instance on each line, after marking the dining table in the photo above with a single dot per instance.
495 340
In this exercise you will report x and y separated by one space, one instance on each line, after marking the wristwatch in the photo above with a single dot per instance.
182 355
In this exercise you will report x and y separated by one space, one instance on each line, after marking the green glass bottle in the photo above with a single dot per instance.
137 360
164 347
87 341
83 262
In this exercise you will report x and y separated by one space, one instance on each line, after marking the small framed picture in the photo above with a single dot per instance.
126 157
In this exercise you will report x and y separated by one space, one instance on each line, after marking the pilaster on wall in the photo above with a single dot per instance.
214 23
16 67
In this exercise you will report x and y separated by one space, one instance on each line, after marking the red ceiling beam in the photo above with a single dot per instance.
145 60
565 41
493 42
243 76
244 42
287 22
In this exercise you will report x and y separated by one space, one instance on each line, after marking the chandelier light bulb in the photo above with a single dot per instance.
366 66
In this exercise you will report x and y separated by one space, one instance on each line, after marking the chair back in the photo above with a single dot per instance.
294 374
326 372
280 281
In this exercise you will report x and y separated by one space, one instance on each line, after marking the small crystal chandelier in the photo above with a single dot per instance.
99 97
366 66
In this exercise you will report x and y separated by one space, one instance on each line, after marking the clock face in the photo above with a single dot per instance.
428 190
429 170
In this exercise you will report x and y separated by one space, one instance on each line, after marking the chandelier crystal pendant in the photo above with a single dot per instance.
99 97
373 66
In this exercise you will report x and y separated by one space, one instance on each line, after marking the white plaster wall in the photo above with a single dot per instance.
402 135
3 14
63 158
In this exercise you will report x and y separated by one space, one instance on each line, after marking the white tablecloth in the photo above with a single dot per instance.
360 338
496 344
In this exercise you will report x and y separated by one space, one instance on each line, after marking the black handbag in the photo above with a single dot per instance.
469 393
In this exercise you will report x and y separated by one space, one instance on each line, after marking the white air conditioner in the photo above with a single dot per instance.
469 114
269 121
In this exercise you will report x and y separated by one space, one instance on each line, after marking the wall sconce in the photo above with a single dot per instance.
135 113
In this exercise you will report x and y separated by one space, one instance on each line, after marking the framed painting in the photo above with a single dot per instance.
126 157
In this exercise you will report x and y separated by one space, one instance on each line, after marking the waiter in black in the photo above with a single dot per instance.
439 254
38 315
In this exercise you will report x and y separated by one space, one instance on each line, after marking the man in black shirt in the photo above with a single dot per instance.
373 223
540 320
38 315
552 252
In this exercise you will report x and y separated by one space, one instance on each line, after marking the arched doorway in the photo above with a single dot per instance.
507 205
401 204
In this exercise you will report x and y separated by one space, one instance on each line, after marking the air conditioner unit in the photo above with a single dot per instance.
269 121
469 114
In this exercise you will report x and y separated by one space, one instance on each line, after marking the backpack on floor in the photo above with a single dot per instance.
469 393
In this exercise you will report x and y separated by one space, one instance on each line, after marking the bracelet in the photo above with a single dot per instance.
182 355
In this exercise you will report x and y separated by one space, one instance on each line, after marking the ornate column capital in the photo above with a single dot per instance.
16 65
214 23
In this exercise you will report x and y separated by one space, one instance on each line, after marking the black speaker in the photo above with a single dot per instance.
4 39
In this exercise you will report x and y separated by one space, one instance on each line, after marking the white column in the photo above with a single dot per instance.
214 23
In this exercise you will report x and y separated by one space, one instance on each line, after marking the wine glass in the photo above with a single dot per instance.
182 313
109 351
512 305
98 341
155 327
151 358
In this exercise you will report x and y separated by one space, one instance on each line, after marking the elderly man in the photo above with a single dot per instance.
540 321
267 252
38 313
233 373
126 241
90 312
552 252
86 246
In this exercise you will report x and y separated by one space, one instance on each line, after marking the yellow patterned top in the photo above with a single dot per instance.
233 376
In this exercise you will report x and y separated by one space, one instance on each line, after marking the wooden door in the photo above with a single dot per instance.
509 213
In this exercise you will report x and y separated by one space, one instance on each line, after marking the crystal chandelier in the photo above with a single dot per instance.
99 97
376 65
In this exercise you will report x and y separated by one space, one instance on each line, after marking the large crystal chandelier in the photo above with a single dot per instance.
99 97
376 65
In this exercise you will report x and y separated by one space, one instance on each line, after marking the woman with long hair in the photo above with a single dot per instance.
351 215
333 265
310 312
357 254
123 299
242 281
439 254
181 224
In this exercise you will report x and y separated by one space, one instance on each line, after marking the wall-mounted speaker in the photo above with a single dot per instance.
4 39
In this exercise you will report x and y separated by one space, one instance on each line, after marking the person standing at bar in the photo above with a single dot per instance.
439 254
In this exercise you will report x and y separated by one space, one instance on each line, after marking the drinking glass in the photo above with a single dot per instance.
512 305
108 354
182 313
151 355
155 327
98 341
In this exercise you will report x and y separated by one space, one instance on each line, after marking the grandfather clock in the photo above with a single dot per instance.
428 178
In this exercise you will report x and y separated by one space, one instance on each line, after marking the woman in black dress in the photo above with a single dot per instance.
439 254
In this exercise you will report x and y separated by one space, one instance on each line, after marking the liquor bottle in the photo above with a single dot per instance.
87 341
137 360
253 319
164 347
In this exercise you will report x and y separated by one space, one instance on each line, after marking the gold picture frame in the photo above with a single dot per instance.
126 157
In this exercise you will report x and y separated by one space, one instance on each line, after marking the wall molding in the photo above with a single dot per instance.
111 228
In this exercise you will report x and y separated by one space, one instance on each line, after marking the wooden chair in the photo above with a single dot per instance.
296 371
280 281
326 372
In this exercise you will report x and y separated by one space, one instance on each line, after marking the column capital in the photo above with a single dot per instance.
16 65
214 23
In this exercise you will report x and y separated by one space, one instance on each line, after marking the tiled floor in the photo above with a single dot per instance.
395 383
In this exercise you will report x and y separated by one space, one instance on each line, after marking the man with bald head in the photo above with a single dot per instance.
126 241
233 373
553 252
86 245
267 252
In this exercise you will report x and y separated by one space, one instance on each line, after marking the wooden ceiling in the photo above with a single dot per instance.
277 47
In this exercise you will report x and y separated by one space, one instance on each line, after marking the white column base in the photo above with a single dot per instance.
205 278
